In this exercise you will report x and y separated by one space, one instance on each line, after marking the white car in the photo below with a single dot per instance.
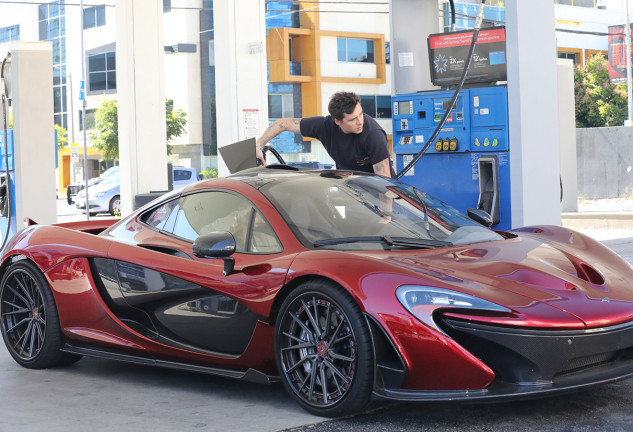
105 197
73 189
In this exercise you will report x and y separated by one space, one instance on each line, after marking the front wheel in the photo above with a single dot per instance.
323 350
28 318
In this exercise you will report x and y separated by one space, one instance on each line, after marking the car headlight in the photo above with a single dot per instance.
423 301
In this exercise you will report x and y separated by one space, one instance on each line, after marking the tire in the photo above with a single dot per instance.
28 318
322 337
115 206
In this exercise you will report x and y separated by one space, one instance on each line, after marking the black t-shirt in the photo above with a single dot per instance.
350 151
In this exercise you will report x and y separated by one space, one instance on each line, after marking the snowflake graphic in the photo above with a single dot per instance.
440 63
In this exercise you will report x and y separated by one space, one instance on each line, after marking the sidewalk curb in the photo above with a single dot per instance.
597 220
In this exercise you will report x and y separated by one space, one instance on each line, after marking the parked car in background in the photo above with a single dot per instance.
105 196
184 176
73 189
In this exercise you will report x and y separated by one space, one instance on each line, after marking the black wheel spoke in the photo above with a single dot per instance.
337 371
17 311
326 395
299 346
299 363
313 372
18 295
338 329
328 316
312 320
18 324
340 357
302 325
341 339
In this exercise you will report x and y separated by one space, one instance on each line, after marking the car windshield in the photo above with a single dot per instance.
114 179
110 172
344 210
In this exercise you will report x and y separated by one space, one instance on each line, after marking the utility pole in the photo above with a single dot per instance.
628 65
83 108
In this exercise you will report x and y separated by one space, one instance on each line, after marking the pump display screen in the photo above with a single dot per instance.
441 105
446 104
404 107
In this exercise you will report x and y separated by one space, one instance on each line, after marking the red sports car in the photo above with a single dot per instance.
340 285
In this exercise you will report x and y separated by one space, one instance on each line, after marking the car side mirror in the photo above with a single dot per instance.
480 216
219 245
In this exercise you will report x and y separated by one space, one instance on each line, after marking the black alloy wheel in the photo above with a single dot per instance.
29 321
323 350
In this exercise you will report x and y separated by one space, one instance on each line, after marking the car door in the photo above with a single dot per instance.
184 301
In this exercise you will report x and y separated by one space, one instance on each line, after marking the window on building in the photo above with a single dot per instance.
570 56
102 72
94 17
376 106
52 27
280 106
11 33
387 52
355 50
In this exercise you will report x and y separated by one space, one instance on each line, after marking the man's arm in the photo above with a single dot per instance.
279 126
383 168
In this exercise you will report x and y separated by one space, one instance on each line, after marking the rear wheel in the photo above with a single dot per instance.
29 320
323 350
115 206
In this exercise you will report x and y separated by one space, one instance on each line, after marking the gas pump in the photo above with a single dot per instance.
7 175
467 165
27 152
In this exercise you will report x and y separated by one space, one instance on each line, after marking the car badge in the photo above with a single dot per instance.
606 299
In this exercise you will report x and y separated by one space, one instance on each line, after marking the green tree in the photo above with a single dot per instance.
106 136
598 102
62 136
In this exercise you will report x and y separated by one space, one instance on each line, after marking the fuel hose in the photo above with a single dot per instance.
478 20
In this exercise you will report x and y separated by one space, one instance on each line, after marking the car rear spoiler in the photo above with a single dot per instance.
90 227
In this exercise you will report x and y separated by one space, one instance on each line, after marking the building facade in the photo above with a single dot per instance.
314 49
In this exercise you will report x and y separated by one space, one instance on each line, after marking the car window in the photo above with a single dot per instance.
342 205
114 179
208 212
182 175
159 216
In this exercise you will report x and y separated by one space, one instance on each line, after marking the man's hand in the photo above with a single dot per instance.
260 155
279 126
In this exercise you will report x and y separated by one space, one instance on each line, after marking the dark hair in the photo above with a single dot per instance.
342 103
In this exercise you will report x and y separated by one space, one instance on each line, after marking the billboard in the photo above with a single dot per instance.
448 53
617 54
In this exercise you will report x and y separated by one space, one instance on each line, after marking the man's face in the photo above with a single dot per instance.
352 123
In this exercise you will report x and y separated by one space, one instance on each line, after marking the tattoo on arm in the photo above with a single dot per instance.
382 168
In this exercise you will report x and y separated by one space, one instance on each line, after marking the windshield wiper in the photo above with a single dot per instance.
411 242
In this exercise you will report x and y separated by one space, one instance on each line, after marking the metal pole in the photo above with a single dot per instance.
72 109
628 65
83 107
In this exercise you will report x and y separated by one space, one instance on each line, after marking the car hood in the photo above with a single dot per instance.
542 266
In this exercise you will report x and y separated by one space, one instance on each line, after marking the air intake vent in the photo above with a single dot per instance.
590 274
